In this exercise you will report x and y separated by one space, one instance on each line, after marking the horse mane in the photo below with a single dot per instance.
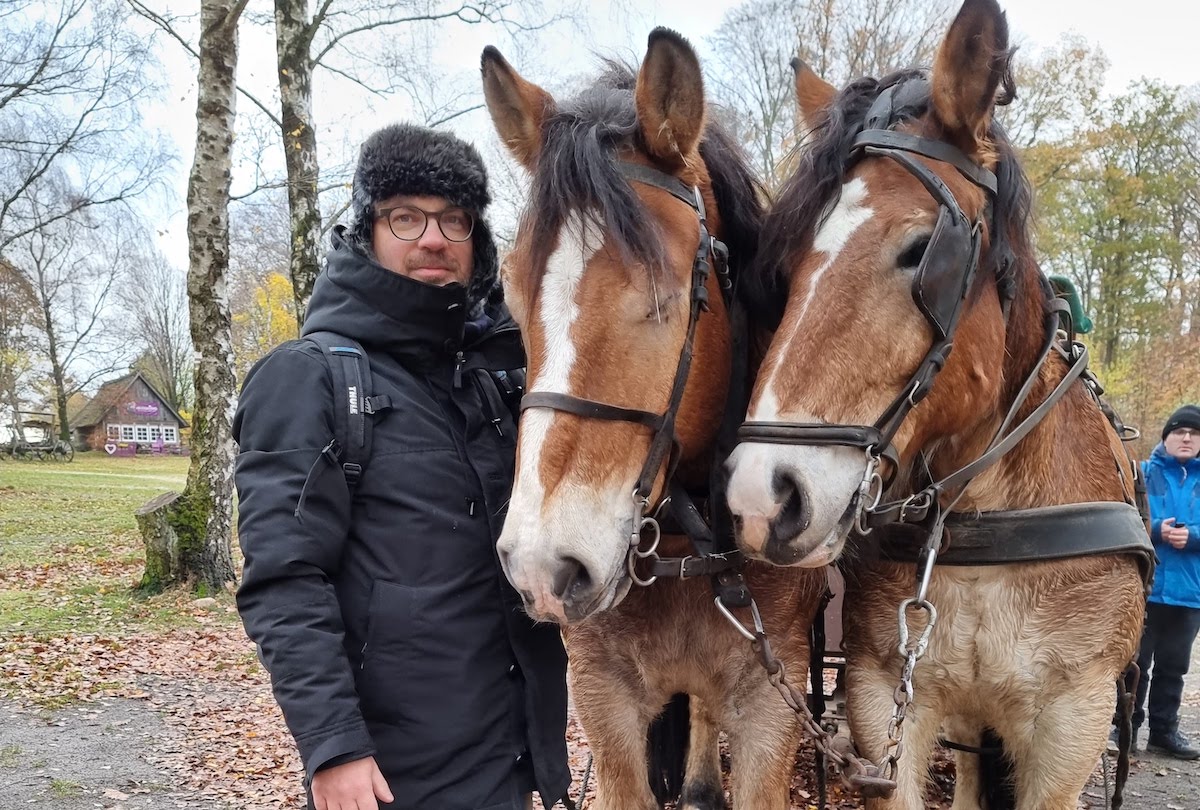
577 172
810 193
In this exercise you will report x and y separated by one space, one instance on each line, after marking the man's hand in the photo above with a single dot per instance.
350 786
1177 536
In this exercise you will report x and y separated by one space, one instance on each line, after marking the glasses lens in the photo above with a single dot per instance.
456 224
407 223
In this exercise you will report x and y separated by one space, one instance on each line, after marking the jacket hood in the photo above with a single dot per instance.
357 297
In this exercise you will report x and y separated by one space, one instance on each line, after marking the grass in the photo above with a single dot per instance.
70 550
9 756
65 788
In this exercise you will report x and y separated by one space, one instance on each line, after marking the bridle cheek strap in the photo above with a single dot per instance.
664 446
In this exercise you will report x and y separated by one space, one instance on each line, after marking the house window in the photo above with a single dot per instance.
113 431
126 433
170 434
155 432
143 433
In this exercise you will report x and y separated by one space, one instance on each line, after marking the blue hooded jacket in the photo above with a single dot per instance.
1173 490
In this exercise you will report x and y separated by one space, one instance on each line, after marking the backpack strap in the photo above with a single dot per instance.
350 370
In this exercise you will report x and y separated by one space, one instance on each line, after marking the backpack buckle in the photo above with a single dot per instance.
353 473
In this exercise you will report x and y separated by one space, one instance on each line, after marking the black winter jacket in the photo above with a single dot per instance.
383 618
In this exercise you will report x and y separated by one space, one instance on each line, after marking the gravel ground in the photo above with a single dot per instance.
87 756
101 755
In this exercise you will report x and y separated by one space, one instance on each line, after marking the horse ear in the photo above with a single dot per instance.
670 97
970 64
518 107
814 97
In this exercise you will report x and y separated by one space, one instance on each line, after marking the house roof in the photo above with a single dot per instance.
110 395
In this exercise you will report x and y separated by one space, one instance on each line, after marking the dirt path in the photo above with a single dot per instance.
117 753
1164 783
92 755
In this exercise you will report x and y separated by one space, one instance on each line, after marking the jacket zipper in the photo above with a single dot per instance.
459 360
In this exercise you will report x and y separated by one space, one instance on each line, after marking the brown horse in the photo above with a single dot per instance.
908 186
609 287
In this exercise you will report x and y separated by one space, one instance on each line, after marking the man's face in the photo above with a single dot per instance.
1182 443
430 257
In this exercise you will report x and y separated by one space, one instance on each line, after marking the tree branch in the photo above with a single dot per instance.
165 25
448 118
459 13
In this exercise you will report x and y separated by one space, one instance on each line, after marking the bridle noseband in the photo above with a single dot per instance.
939 289
664 446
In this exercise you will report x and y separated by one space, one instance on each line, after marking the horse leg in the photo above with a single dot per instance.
615 720
763 738
870 708
702 788
967 786
1063 740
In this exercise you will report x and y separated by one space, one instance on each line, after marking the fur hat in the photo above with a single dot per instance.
413 160
1186 417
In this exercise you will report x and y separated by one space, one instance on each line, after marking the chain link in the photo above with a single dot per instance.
857 773
870 779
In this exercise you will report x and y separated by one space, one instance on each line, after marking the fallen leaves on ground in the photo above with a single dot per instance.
228 742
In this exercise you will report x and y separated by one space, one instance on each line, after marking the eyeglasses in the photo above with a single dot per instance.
1186 433
408 223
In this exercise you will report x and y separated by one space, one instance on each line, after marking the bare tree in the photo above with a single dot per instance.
202 518
72 81
840 39
18 317
73 268
156 300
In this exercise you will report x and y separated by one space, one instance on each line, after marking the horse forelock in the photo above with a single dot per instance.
577 172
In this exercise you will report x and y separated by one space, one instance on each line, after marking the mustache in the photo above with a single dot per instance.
422 258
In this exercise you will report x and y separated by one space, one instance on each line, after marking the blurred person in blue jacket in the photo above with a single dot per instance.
1172 475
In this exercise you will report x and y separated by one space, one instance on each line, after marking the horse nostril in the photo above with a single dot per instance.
794 515
571 577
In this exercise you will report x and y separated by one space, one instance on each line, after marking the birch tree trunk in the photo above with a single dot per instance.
293 39
202 518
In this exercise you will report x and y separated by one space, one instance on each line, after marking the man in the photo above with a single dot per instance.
1172 476
405 668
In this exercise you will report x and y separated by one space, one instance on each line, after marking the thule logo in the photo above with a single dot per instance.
352 393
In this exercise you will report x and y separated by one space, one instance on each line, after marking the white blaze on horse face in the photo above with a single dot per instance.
533 537
828 476
847 216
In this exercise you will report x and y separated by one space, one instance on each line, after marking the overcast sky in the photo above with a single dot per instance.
1148 38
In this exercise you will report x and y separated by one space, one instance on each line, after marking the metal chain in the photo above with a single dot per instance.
857 773
870 779
912 649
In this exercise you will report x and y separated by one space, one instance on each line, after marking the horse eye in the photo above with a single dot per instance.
912 255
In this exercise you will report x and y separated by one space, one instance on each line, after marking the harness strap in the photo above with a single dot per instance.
590 409
653 177
1029 535
916 508
943 152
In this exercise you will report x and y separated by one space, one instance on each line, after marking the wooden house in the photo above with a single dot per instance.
128 415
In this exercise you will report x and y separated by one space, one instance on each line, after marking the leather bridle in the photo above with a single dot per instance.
664 445
939 289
